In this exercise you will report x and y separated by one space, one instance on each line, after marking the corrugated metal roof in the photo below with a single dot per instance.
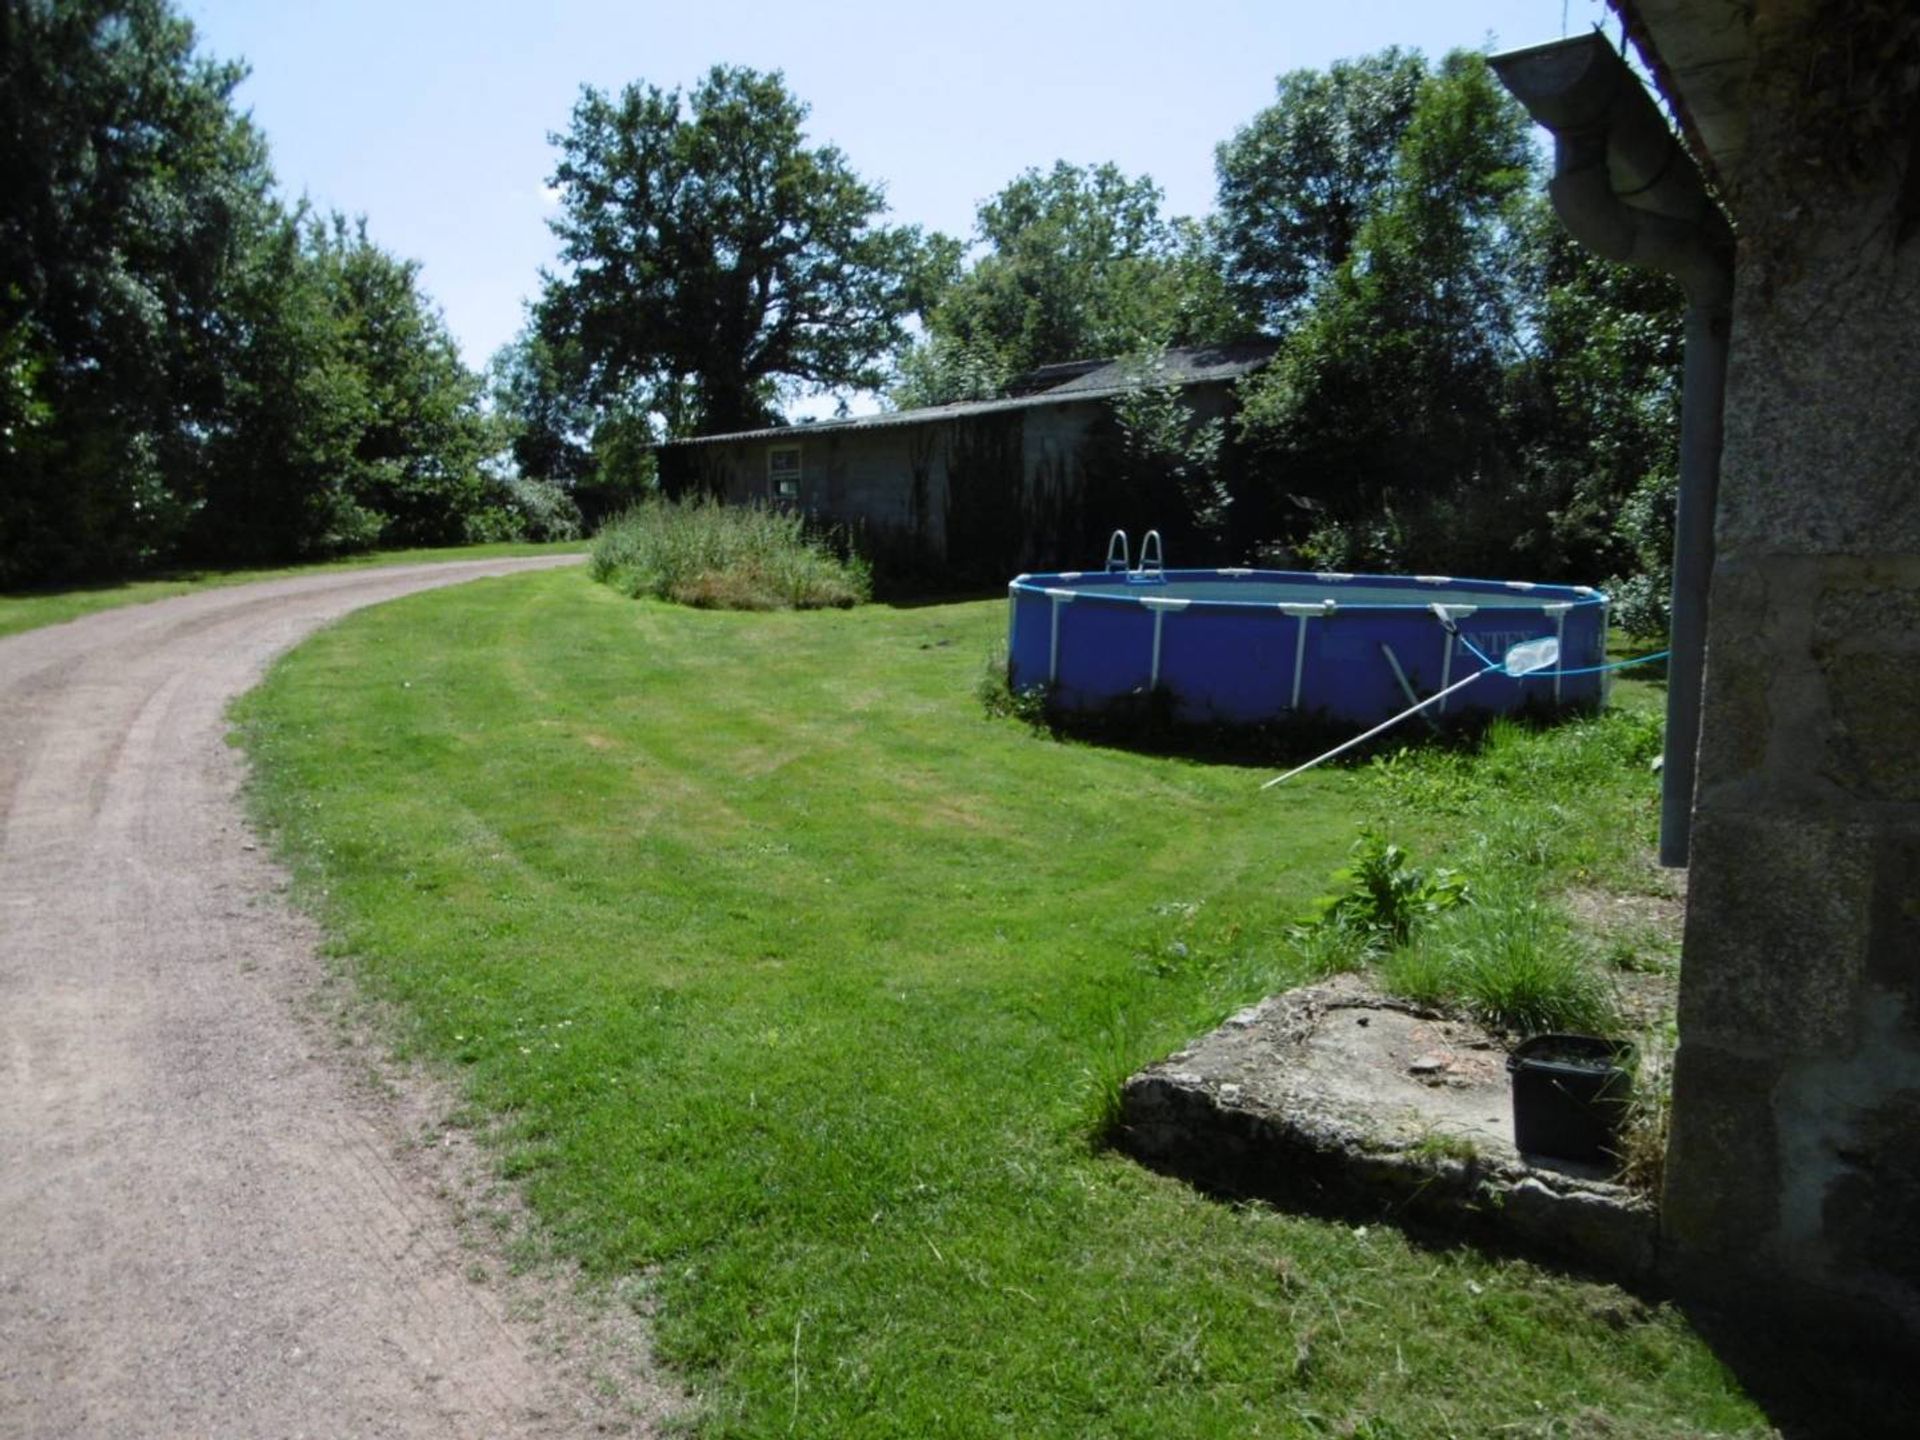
1178 367
1112 377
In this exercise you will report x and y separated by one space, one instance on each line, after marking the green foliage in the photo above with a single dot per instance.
1169 453
1643 597
345 418
1001 701
705 553
1385 897
1384 402
1302 177
130 182
1529 812
189 369
1511 960
544 426
1079 264
1460 388
531 510
420 437
1593 408
711 259
946 370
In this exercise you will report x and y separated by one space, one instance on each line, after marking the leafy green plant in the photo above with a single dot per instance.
998 697
1387 896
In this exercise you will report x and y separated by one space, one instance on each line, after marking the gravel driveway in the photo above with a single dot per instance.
208 1225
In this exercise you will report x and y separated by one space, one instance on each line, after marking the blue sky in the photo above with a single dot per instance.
431 118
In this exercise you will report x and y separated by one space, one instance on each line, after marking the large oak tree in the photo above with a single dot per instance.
712 260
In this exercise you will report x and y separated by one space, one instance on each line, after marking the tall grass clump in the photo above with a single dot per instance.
726 557
1511 960
1527 813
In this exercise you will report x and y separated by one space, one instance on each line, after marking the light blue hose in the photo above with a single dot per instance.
1484 659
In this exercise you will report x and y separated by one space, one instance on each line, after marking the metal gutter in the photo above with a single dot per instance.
1626 189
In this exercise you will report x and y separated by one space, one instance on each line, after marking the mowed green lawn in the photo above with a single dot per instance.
29 609
795 985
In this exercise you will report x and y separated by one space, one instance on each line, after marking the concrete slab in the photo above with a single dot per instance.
1341 1100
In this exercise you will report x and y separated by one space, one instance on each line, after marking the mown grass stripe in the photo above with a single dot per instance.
796 984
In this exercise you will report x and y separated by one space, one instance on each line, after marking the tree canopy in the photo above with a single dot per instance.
193 369
1463 390
190 368
129 183
1300 179
712 260
1078 262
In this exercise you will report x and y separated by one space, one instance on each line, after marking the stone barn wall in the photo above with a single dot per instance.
1795 1160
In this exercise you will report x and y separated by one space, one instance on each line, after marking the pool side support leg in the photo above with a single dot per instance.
1606 676
1053 642
1560 639
1299 663
1153 677
1406 687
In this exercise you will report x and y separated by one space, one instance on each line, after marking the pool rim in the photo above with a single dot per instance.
1075 585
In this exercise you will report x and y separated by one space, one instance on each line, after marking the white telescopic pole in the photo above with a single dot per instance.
1383 725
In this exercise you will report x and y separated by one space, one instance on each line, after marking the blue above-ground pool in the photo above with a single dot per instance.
1246 646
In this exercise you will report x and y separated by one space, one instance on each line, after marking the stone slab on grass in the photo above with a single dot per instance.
1344 1101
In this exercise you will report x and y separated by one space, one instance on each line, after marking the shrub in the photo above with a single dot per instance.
1641 600
706 553
518 509
545 511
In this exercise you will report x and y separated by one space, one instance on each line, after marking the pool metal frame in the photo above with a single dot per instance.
1492 614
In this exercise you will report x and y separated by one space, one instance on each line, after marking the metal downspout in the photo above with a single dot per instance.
1626 190
1702 399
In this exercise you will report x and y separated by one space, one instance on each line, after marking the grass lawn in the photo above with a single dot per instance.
795 985
29 609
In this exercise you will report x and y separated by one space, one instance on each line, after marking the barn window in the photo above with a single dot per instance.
783 472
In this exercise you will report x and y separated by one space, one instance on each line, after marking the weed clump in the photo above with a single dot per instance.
1496 951
998 697
705 553
1387 895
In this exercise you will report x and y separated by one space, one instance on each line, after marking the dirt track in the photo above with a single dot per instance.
208 1224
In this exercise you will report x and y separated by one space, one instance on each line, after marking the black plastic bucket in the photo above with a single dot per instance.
1570 1096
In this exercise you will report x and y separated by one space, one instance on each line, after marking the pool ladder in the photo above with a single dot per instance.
1151 571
